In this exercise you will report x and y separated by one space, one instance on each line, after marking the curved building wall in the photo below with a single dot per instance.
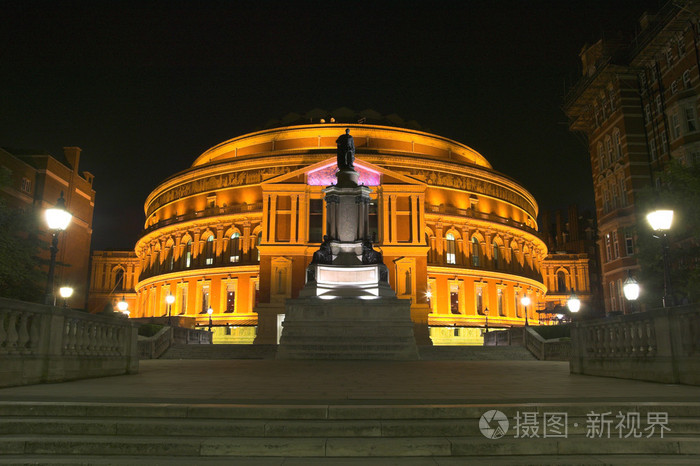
236 231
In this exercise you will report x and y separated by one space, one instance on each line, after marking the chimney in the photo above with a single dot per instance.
573 223
72 154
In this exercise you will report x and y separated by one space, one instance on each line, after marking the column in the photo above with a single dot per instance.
421 217
293 219
394 236
271 228
303 205
265 215
385 219
414 218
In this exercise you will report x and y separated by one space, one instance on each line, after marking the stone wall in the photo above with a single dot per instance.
40 343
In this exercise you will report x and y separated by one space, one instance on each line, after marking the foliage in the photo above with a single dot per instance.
680 191
20 273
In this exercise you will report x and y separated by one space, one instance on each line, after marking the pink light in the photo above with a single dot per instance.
325 176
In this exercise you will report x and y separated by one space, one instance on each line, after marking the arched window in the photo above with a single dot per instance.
496 258
187 256
235 248
209 253
475 251
609 149
408 284
119 280
450 255
561 282
258 240
601 157
623 193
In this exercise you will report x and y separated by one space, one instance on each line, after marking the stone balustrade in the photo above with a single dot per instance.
154 347
553 349
40 343
661 345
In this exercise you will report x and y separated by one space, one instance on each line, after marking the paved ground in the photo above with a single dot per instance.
271 381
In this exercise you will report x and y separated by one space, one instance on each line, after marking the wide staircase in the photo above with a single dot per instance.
427 353
144 433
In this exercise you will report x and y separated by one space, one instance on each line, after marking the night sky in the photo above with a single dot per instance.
145 87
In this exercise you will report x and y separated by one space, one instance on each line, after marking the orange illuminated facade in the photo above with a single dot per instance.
236 231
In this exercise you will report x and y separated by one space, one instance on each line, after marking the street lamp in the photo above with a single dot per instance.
65 292
525 301
660 221
170 299
560 317
123 306
57 219
210 311
486 313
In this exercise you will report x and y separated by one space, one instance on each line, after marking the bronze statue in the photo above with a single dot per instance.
346 151
369 255
324 255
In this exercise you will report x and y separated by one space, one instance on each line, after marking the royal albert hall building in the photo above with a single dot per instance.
236 231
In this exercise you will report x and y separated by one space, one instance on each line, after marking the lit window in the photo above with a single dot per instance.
188 254
517 304
475 252
499 302
608 247
629 244
495 256
450 255
479 301
209 255
26 185
613 297
234 248
205 299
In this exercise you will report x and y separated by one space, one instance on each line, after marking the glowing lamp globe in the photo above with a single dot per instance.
65 292
631 289
170 299
660 220
573 303
525 301
210 311
58 217
122 305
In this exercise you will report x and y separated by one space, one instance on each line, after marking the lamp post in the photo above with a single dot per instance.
560 317
486 313
170 299
57 219
525 301
660 221
631 289
573 303
123 306
210 311
65 292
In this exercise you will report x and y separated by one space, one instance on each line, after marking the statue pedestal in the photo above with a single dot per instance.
348 328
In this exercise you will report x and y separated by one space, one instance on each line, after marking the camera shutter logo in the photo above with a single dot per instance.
493 424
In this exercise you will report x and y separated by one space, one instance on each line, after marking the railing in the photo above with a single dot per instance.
41 343
154 347
209 212
555 349
662 345
443 209
510 337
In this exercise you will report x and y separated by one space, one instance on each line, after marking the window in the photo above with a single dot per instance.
479 301
613 188
652 149
597 116
669 56
613 297
658 104
616 245
680 44
495 256
608 248
183 300
691 124
475 252
259 241
561 282
230 298
315 220
623 193
664 142
450 255
170 259
675 126
601 157
234 248
629 244
26 185
606 201
209 248
517 304
674 87
499 302
686 79
617 144
119 280
608 147
205 299
611 93
647 113
643 80
188 254
454 299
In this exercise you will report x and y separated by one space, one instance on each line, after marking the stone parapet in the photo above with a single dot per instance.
40 343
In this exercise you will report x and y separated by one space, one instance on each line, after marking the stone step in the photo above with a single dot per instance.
339 447
577 426
220 352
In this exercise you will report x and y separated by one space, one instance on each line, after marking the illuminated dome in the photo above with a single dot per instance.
237 229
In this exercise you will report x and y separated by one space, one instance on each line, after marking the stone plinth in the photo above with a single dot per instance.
348 328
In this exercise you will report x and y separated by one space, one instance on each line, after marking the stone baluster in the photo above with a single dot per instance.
643 339
626 339
100 347
12 336
91 337
34 333
23 333
651 332
3 332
